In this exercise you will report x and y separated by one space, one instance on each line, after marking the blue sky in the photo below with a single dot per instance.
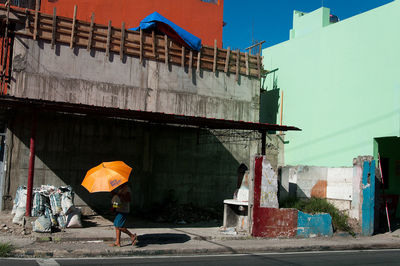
271 20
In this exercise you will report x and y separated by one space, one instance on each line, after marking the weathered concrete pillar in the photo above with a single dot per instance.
364 193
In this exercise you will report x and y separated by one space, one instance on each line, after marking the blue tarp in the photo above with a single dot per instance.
158 22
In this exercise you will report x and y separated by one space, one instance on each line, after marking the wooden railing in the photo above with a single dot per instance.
144 45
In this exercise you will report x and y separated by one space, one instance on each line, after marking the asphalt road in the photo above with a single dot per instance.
342 258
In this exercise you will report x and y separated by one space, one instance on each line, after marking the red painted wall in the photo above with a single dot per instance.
270 222
204 20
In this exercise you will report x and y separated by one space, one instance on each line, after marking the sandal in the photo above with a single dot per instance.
134 239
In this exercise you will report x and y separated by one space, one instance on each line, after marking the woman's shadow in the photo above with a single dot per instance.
161 239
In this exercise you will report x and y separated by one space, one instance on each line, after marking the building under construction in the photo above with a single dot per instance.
76 93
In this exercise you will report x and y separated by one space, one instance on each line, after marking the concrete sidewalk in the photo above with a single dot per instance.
93 241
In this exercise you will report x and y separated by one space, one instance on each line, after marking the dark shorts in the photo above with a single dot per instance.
120 220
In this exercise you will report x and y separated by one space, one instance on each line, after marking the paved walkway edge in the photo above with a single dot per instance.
29 253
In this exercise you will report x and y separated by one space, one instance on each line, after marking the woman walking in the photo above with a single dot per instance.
121 204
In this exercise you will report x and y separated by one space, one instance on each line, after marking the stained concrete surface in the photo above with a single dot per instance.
94 240
182 165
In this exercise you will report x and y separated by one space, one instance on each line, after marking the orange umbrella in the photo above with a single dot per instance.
106 176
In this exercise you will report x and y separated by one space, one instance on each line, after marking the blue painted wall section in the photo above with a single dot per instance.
368 194
314 225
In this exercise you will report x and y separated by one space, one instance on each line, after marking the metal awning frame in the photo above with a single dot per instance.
140 115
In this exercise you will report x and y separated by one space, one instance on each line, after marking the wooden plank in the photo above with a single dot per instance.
4 52
237 64
71 45
108 39
254 45
54 30
183 57
228 54
210 58
247 63
198 61
190 63
89 44
35 30
153 39
141 46
26 19
166 49
121 50
215 56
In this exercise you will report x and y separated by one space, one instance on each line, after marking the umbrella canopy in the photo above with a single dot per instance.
106 176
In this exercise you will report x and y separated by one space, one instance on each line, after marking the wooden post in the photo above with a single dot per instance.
121 48
35 29
259 66
166 49
71 44
54 29
215 56
237 64
263 142
251 196
4 50
26 20
141 46
183 57
228 54
89 44
281 110
190 63
31 167
108 39
198 61
153 38
247 63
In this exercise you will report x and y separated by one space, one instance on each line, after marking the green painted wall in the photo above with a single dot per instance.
341 86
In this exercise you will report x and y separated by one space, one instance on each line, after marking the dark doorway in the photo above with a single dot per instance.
388 191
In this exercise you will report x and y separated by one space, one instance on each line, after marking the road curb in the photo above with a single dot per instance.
106 239
30 253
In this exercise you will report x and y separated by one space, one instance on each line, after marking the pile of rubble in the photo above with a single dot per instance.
53 206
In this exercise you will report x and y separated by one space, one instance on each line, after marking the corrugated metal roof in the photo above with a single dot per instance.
152 117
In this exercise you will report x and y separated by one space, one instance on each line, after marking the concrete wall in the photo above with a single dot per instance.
275 222
334 184
304 23
368 196
169 164
340 85
78 76
349 189
314 225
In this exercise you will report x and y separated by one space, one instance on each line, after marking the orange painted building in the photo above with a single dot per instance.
202 18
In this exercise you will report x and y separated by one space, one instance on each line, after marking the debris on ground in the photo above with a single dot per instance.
182 214
52 205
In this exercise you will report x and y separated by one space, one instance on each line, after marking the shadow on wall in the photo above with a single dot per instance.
294 192
269 104
164 159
